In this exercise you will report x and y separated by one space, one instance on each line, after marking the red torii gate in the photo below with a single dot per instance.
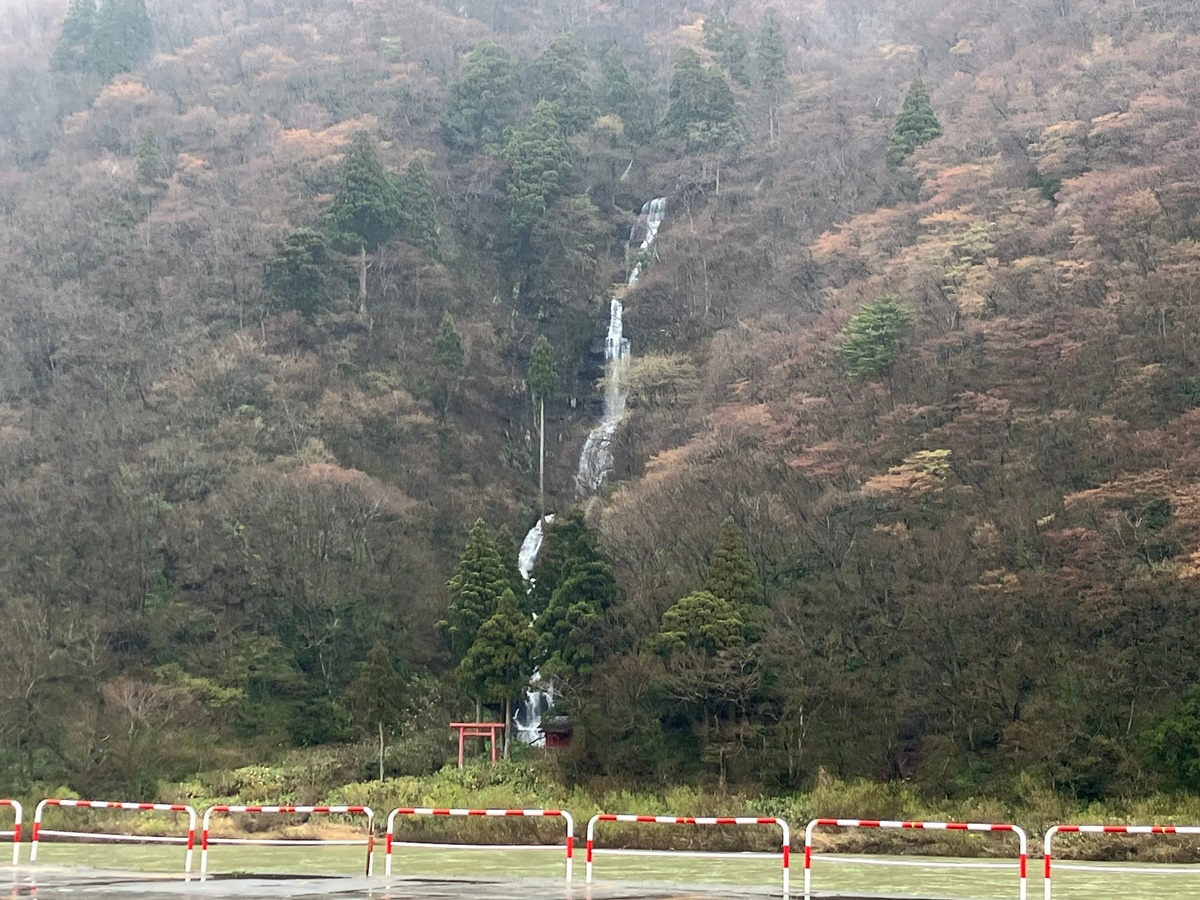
476 729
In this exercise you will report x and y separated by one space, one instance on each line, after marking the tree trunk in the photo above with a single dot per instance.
381 752
542 459
507 724
362 279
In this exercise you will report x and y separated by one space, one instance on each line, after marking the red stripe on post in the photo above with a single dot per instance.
441 812
1046 867
769 821
37 826
787 856
1022 866
726 821
957 826
807 856
514 812
607 817
589 850
570 846
388 844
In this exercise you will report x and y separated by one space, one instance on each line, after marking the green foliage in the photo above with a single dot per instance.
616 95
482 104
543 375
1046 185
872 339
731 572
770 56
916 125
510 557
295 274
569 628
567 546
702 108
418 209
703 622
479 580
566 250
559 77
377 696
148 159
499 662
1173 742
726 40
539 158
365 210
448 356
103 40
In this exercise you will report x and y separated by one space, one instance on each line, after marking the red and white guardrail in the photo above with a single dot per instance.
695 820
1048 843
923 826
482 813
38 831
15 833
205 840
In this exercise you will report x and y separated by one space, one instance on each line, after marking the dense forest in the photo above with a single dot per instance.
907 487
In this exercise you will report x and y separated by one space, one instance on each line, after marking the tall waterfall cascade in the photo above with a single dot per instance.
596 458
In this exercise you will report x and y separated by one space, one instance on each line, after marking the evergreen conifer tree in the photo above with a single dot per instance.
499 662
617 96
478 582
417 209
569 627
559 77
568 545
770 61
510 557
702 107
701 621
72 49
873 337
376 696
448 360
542 381
731 572
916 125
120 39
726 40
295 274
148 159
539 160
483 103
365 210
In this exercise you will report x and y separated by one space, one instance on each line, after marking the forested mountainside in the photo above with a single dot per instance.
907 484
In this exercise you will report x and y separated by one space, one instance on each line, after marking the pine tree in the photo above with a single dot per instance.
376 696
770 61
499 662
71 51
916 125
479 580
539 160
726 40
542 381
295 274
559 77
365 210
874 336
483 103
418 209
702 107
731 572
148 158
448 360
701 621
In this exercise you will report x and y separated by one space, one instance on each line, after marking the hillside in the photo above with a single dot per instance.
239 447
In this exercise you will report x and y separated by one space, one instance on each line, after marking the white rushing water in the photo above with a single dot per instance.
596 459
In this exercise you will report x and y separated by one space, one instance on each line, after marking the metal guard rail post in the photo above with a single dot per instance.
37 832
695 820
360 810
921 826
1048 848
472 813
15 834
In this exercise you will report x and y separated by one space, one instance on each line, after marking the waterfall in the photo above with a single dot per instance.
596 459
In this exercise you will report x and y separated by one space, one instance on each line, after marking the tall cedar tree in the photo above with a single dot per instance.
569 628
539 159
702 108
616 95
559 76
701 621
449 362
376 696
74 41
499 662
418 209
365 210
295 274
727 42
872 339
121 38
731 573
479 580
770 62
510 557
484 103
148 158
542 381
568 545
916 125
